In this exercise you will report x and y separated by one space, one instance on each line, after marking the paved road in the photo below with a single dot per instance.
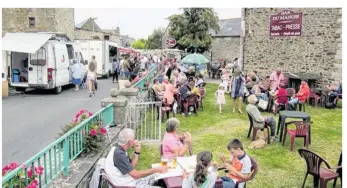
30 122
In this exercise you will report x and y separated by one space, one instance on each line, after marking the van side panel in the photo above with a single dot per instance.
89 48
62 72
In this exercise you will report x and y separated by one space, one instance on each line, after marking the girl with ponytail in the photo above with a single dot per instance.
203 177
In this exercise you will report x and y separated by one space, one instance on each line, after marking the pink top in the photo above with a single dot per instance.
169 93
170 142
275 80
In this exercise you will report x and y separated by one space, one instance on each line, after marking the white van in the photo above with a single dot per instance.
103 51
39 60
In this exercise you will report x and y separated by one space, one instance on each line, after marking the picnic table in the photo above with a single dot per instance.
173 178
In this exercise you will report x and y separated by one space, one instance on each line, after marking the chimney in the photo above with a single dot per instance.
117 31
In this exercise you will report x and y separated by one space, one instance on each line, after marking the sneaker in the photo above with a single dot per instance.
273 139
90 95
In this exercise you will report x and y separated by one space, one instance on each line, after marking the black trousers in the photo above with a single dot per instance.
115 75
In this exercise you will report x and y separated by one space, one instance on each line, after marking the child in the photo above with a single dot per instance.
220 97
225 79
202 177
239 166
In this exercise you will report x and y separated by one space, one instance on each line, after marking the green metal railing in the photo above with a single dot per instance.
56 157
144 82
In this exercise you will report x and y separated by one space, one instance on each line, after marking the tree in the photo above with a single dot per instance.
192 28
154 40
139 44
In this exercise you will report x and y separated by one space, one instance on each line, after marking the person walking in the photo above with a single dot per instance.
91 76
76 70
237 88
115 68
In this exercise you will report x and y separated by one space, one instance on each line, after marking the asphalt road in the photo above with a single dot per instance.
31 121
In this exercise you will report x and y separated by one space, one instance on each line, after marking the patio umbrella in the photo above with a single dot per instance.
195 59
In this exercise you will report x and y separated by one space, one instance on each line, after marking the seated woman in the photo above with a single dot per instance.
302 95
257 92
172 144
193 89
202 177
333 91
157 89
176 78
169 92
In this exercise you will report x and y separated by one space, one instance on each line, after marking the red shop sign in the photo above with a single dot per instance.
286 23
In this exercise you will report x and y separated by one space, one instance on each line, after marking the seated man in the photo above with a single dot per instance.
259 120
302 95
121 169
172 144
239 165
265 86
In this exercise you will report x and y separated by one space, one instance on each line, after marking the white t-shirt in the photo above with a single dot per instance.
115 175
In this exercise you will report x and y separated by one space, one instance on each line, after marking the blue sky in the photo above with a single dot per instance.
139 22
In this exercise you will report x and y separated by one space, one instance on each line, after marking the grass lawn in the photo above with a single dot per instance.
278 167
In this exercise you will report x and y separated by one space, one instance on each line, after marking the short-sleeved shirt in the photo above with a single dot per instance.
246 166
275 80
170 143
118 166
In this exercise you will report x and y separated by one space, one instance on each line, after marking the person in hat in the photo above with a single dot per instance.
238 82
258 119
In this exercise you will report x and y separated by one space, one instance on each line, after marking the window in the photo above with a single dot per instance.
32 22
38 58
106 37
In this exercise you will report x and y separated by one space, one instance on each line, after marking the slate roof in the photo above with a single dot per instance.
228 28
81 24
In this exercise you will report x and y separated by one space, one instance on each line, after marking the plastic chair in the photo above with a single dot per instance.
281 106
254 170
191 100
320 174
302 130
255 129
202 96
315 97
105 177
339 171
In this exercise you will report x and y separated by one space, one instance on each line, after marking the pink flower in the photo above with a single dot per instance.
39 170
13 166
30 173
103 131
93 132
89 114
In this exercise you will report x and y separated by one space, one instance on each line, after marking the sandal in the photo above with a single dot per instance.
240 111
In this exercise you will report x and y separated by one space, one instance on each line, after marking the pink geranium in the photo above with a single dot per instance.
103 131
39 170
30 173
93 132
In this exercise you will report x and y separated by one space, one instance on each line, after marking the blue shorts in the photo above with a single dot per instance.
76 81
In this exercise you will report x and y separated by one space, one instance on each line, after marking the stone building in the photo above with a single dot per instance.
88 29
226 42
317 50
38 20
126 40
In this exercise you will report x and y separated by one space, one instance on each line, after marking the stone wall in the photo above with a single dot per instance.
46 20
65 22
318 50
225 48
87 34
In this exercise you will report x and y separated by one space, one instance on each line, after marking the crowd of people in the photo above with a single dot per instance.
173 85
122 169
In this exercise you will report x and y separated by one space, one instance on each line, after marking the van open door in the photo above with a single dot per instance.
37 68
61 73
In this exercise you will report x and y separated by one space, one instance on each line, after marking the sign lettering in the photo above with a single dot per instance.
286 23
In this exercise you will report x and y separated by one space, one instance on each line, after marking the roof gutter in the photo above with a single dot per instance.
242 39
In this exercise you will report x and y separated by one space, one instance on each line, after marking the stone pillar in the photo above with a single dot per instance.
120 99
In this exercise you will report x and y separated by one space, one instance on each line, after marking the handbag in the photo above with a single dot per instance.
262 104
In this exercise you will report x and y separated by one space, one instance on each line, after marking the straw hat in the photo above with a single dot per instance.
252 99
